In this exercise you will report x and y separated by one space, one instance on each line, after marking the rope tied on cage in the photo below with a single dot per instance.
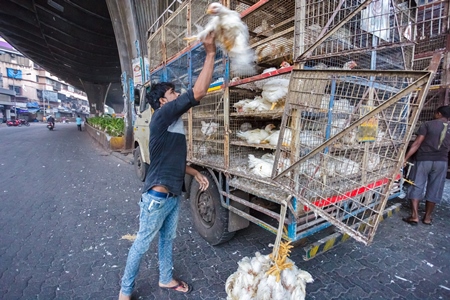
280 250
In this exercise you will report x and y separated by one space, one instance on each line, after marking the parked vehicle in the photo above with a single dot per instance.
50 126
24 122
13 123
317 143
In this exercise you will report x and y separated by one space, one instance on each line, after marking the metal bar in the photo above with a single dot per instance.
262 76
253 8
168 9
253 206
258 222
272 37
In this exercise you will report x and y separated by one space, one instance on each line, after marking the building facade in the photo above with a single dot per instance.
29 92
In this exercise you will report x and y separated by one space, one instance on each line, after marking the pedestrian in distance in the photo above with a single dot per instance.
79 121
159 203
431 148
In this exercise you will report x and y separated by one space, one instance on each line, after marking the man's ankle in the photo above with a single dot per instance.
124 297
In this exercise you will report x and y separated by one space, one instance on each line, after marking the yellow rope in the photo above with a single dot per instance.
281 250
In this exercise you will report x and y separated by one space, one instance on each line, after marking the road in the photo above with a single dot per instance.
66 204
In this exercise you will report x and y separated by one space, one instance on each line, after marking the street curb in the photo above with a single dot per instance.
123 157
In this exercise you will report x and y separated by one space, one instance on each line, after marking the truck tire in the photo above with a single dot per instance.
210 217
139 165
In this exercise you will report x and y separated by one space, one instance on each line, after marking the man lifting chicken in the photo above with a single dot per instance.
159 204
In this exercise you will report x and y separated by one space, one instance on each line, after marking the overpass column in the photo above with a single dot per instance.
125 30
96 94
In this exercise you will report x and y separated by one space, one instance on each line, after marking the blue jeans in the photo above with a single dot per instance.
156 215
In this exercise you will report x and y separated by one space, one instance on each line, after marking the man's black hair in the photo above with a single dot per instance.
157 91
445 111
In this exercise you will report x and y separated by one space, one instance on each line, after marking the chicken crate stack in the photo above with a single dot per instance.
324 116
346 157
350 127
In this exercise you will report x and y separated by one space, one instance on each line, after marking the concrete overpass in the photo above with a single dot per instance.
89 44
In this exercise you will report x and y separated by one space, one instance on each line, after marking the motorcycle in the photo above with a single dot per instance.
13 123
50 126
24 122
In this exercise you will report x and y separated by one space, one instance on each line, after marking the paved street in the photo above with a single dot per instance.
66 204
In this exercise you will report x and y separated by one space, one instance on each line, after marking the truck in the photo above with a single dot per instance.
313 138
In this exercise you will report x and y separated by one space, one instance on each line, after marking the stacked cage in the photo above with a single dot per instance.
377 35
349 130
432 37
322 131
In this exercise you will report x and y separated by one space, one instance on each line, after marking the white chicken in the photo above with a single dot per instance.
275 90
347 66
337 125
231 34
257 104
272 139
373 161
260 83
255 136
342 106
343 166
209 129
279 47
240 104
259 166
311 167
283 162
266 278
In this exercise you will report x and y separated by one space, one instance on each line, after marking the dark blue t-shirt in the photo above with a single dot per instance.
167 145
432 149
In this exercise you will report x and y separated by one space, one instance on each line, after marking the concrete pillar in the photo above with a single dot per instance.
96 94
125 30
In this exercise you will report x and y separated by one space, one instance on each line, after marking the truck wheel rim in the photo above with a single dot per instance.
205 208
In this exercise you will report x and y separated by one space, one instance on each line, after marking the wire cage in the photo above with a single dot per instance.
198 56
432 19
155 46
207 132
271 29
175 30
342 139
158 76
176 73
374 34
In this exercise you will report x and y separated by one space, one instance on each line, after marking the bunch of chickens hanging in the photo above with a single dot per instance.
231 35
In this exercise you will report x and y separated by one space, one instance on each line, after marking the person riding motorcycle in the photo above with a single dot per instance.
50 119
